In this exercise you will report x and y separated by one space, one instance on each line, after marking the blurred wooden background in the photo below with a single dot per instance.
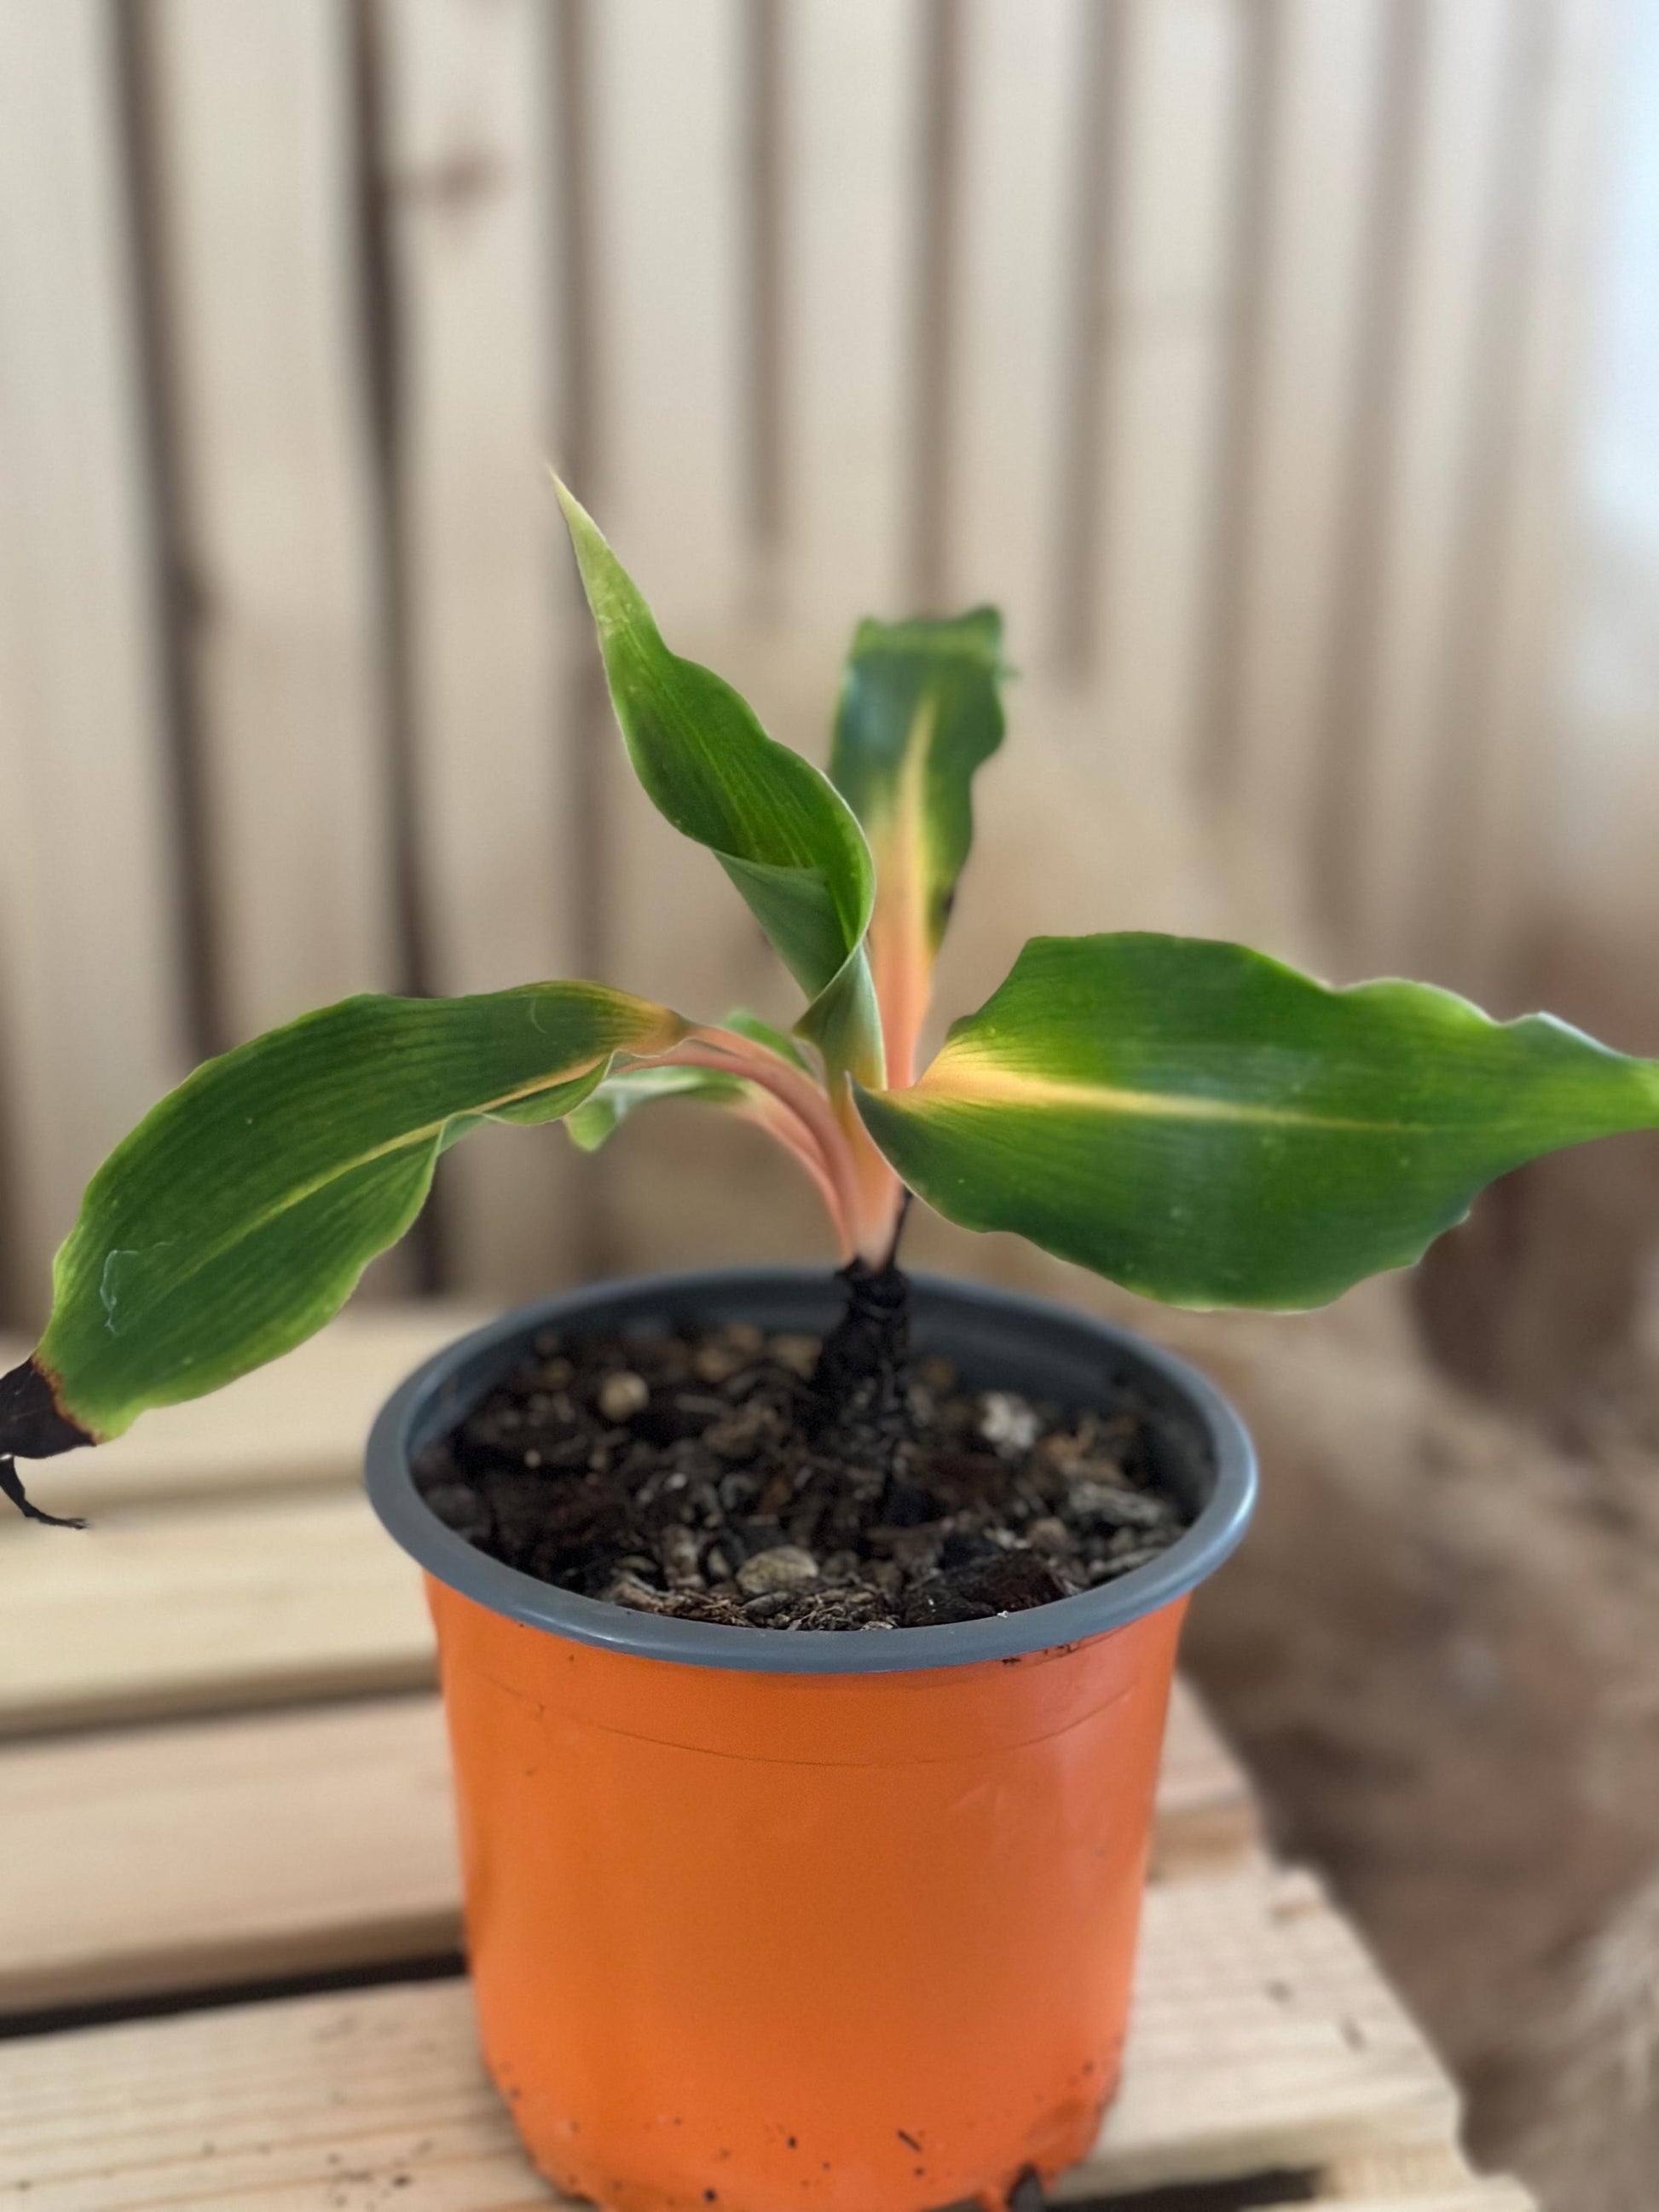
1233 346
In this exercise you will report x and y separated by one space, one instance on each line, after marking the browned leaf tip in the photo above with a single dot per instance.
33 1423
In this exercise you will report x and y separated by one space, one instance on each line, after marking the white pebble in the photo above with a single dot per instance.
785 1567
1008 1423
623 1395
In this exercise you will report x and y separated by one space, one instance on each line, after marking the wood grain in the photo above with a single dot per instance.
220 1851
199 1609
471 187
1254 1979
91 987
259 152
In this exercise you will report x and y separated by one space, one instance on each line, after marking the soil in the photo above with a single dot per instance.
700 1474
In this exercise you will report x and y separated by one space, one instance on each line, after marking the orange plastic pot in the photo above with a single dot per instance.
836 1921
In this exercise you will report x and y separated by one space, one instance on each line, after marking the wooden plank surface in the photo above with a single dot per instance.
213 1852
1254 1979
220 1851
1255 1985
1207 1815
199 1609
1471 2196
91 1020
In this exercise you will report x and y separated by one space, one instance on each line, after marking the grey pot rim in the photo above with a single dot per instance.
1214 1534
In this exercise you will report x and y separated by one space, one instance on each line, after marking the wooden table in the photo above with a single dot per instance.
229 1900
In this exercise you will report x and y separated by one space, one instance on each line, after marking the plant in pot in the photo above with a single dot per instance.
806 1642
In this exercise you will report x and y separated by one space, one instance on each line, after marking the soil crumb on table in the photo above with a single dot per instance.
686 1473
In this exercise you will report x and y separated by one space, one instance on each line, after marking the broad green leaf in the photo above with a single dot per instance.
1209 1127
236 1217
921 710
599 1117
778 827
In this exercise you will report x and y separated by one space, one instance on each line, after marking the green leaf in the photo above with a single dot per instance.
600 1116
236 1217
921 710
776 825
1209 1127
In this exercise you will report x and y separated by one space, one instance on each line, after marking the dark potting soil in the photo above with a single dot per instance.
693 1475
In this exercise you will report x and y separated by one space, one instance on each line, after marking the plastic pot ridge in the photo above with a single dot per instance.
838 1920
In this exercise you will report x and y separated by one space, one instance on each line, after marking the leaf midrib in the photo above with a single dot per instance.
989 1086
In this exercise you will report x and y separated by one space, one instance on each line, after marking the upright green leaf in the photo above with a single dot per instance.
775 824
1212 1128
235 1218
921 710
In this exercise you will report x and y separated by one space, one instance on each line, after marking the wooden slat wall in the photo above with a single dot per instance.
91 996
259 250
1228 344
1018 306
470 179
850 168
1271 679
1397 727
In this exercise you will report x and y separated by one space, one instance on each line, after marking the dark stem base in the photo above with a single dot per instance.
863 1369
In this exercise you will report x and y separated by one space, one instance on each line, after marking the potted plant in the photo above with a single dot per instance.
805 1644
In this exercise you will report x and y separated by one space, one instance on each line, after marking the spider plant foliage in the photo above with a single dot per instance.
1188 1118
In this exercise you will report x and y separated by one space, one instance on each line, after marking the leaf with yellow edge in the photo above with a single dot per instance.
1207 1126
921 711
235 1218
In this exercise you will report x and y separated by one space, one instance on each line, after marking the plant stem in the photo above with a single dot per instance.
864 1369
728 1054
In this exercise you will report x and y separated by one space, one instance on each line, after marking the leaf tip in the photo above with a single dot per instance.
579 522
34 1421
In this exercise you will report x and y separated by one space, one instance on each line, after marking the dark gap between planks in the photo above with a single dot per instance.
1263 2191
181 597
937 185
71 1727
220 1997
